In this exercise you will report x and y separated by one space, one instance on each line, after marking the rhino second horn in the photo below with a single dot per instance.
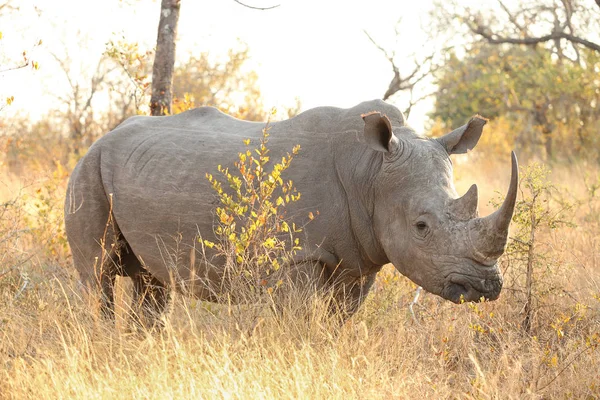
465 207
489 234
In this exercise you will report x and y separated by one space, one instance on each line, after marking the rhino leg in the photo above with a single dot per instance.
92 232
98 273
98 267
100 254
150 298
107 285
107 266
300 281
349 295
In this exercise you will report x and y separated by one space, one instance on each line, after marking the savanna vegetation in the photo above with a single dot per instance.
541 339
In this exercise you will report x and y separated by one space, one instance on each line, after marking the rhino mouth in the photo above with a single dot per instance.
460 288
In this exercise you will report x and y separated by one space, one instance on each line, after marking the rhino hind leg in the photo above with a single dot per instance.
100 261
106 267
150 299
150 296
118 261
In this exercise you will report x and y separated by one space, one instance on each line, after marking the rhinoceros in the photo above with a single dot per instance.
139 199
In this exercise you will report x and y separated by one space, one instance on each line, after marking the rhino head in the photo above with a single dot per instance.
431 235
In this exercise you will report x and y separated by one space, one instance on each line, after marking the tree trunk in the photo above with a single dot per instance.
549 147
164 60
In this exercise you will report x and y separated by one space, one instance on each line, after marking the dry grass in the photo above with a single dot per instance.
54 345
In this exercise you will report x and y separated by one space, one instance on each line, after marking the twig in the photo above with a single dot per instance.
412 303
592 347
6 272
257 8
19 66
25 283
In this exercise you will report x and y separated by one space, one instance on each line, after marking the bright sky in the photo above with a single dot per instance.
311 49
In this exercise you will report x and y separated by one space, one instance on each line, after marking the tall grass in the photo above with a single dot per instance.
54 345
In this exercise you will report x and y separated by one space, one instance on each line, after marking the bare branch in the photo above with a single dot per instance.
14 67
259 8
569 24
413 102
97 80
512 18
384 51
399 83
562 28
65 68
496 39
8 7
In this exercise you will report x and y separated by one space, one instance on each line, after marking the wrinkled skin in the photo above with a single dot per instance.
428 243
383 194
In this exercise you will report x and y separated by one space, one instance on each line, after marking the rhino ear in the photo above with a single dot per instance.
463 139
378 131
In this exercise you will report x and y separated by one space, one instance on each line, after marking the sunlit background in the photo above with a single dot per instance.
316 51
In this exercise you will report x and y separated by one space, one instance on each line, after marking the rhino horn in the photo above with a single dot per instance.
465 207
489 234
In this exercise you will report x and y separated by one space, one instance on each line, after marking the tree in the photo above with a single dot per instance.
224 84
135 67
541 73
547 103
7 8
561 24
164 60
410 76
77 103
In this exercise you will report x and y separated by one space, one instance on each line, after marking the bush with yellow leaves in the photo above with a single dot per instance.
253 236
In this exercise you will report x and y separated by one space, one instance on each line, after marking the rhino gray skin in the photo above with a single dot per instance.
383 193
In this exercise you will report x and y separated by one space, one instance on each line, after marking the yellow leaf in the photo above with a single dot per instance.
311 216
270 243
247 142
0 35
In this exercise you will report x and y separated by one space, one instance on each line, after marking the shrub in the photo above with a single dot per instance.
253 234
529 266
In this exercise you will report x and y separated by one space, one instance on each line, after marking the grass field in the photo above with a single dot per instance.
53 344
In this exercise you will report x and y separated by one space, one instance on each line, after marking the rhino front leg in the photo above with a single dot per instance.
342 296
150 299
300 282
349 296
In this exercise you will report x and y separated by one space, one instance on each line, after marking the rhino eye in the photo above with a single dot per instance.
421 226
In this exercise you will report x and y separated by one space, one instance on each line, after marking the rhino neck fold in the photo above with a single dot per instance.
357 181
